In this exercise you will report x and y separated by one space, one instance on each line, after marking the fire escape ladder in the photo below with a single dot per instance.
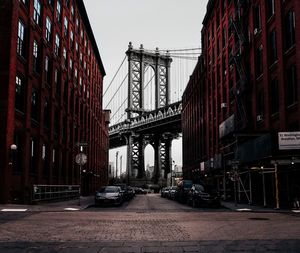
236 58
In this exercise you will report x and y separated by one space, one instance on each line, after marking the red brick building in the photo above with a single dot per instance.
51 77
251 95
192 132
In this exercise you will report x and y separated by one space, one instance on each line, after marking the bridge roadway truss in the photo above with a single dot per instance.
157 127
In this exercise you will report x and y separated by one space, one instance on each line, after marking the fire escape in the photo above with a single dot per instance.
238 56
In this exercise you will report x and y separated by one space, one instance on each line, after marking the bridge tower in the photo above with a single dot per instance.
138 60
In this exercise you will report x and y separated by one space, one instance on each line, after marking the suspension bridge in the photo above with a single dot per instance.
144 97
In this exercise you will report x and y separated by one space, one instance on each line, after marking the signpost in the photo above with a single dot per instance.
80 159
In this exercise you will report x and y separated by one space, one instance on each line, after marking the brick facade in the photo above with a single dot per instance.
251 93
51 98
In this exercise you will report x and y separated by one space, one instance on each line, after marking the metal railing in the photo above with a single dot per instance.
54 192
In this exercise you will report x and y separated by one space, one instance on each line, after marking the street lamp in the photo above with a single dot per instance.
13 148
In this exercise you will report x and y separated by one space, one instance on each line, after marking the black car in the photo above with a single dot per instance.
109 195
199 196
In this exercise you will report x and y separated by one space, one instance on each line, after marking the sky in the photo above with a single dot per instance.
166 24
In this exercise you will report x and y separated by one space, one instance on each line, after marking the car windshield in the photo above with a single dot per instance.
199 188
173 188
109 189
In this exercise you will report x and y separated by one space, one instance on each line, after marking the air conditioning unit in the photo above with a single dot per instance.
255 31
259 118
223 105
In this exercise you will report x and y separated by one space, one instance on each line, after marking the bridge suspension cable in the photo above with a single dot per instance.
116 91
111 82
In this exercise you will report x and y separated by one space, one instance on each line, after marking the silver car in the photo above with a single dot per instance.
109 195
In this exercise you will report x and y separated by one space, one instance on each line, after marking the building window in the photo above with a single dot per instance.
66 91
53 156
80 58
35 54
66 26
72 11
56 122
71 38
257 18
292 89
77 24
274 96
271 8
71 65
47 70
289 29
46 115
51 3
37 11
65 57
57 79
21 39
17 155
45 159
260 102
224 37
48 29
58 10
34 105
272 47
259 61
25 2
75 77
33 155
224 7
19 98
57 44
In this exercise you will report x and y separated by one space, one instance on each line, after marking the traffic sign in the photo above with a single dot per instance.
81 159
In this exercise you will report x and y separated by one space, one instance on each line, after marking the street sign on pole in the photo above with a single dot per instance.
82 144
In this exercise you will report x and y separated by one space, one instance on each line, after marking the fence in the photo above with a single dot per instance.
55 192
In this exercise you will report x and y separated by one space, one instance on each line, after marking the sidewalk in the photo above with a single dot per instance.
252 208
68 205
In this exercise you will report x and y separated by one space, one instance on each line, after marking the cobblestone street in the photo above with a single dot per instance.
149 223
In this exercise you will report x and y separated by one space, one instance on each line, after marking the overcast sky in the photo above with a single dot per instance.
166 24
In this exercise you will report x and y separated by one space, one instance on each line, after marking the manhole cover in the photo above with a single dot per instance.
258 218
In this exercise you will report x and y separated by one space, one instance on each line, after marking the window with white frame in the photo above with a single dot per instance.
35 55
57 44
20 93
37 11
48 29
58 10
21 38
66 25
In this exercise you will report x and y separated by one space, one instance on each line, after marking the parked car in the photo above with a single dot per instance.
139 190
109 195
172 192
199 196
164 192
126 193
153 188
131 192
182 190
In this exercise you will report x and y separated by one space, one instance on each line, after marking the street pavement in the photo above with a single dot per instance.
148 223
